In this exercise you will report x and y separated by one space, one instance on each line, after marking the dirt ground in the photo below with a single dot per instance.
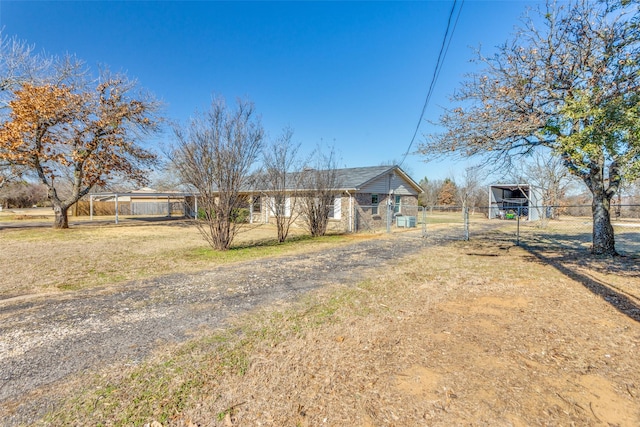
45 338
427 332
478 333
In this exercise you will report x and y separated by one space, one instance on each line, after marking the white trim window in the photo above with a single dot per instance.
336 211
287 206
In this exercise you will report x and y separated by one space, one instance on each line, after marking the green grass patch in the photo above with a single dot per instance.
258 249
444 218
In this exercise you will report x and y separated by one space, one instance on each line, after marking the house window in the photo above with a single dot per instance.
374 203
256 202
398 206
287 207
281 206
335 212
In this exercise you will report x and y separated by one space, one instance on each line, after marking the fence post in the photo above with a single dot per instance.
424 221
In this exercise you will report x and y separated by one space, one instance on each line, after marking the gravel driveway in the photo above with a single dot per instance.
44 339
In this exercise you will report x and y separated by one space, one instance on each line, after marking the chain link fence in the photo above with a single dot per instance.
559 227
389 218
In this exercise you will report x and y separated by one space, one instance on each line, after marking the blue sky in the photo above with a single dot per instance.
349 74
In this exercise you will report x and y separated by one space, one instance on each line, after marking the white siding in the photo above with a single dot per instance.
405 190
381 186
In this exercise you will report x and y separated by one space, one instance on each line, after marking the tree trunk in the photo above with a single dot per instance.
282 231
61 221
603 236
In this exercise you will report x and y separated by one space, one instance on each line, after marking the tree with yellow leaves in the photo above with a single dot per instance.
74 137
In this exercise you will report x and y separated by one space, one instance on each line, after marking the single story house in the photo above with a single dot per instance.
363 196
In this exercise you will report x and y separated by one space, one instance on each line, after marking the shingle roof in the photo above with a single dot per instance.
347 178
356 178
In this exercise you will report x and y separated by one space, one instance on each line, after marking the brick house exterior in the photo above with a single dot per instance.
363 196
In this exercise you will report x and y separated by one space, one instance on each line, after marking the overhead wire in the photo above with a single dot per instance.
444 48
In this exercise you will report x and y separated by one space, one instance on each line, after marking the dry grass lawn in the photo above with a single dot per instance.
477 333
41 260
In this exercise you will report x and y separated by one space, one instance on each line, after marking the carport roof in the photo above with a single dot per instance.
141 194
510 186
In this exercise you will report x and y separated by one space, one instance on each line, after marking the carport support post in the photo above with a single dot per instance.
389 215
466 223
518 231
116 208
90 208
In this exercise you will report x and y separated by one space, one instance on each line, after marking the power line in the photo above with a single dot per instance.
444 48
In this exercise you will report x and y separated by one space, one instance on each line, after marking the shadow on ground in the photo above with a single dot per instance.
615 279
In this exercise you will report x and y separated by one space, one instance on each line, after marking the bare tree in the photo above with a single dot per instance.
431 190
282 175
22 194
20 64
320 189
215 155
470 183
570 85
166 178
548 174
633 192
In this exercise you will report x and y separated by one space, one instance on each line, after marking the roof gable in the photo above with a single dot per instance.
358 178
